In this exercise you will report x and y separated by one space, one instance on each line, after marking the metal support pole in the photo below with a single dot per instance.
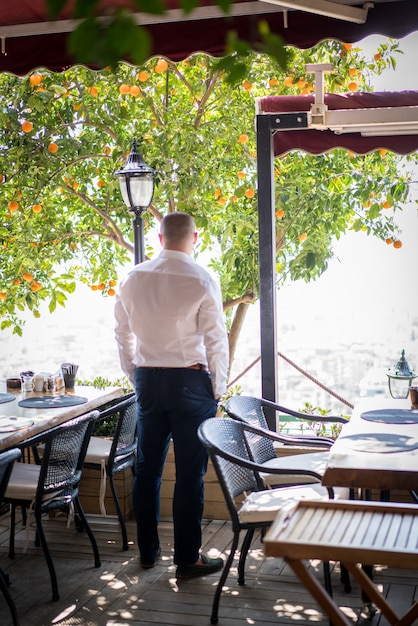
267 264
139 252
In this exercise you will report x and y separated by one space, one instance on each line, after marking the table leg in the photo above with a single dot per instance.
318 592
376 597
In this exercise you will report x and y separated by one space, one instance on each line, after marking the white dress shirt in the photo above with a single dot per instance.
169 314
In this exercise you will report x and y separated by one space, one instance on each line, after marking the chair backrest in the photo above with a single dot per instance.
7 458
124 442
62 461
250 410
226 445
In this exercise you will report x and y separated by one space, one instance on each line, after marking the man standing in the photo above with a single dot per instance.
173 347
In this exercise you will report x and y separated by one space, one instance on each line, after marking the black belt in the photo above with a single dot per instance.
197 366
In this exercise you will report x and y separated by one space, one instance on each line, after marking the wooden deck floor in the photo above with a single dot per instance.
120 593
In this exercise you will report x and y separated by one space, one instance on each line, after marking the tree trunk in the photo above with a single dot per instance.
236 328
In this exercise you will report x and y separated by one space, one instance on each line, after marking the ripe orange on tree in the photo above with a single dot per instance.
279 214
303 237
288 81
124 89
35 285
27 127
249 193
352 86
387 205
27 276
93 91
161 66
134 90
53 148
247 85
397 244
111 292
112 282
37 208
3 295
13 206
35 79
101 183
347 46
389 241
243 138
241 175
143 76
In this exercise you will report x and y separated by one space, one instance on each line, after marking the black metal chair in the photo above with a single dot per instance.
250 410
53 485
7 460
250 506
111 456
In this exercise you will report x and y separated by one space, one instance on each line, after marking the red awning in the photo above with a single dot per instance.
28 40
320 141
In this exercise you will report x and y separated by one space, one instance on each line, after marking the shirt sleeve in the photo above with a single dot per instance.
212 327
125 340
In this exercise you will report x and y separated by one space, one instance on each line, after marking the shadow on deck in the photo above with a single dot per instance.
120 593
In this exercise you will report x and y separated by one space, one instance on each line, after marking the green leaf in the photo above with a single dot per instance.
58 89
275 47
80 41
154 7
225 5
310 260
189 5
84 8
374 211
54 7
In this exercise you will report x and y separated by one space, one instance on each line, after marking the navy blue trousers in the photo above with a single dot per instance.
172 403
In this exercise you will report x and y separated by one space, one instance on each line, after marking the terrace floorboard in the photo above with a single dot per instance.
120 593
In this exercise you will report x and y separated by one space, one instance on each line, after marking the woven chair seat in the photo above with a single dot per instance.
53 485
263 506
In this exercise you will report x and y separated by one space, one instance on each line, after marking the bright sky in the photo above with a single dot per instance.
367 276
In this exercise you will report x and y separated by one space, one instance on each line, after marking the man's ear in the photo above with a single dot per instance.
160 237
195 236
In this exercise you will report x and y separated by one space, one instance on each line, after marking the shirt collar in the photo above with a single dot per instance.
176 254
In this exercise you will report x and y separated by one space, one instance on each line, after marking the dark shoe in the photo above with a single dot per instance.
208 566
149 563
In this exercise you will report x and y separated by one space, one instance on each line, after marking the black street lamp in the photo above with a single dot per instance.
136 180
400 377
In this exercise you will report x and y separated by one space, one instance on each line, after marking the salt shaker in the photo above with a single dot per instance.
51 384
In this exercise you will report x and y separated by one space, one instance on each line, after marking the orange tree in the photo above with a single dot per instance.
62 219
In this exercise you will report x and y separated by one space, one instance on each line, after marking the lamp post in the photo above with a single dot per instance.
400 377
136 180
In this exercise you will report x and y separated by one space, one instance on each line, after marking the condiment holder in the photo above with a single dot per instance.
69 371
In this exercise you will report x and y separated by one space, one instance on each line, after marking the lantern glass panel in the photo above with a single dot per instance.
399 387
141 191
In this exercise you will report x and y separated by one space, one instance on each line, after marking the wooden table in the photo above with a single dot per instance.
376 454
44 419
352 532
